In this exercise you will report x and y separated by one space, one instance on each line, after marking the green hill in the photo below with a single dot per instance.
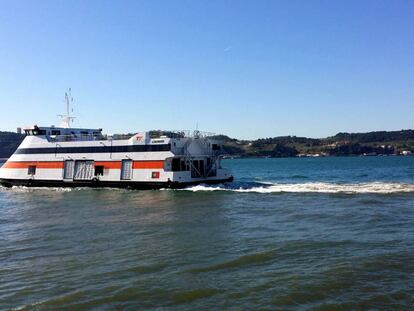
342 144
9 142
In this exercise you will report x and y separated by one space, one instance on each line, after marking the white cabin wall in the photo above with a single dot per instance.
196 147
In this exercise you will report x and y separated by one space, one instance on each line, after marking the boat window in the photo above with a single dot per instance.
39 132
184 166
99 170
31 170
84 170
215 147
69 169
175 165
179 164
55 132
195 169
126 169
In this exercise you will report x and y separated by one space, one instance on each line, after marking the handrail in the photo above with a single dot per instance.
74 137
151 134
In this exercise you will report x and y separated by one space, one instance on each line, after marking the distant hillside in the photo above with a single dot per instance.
380 136
9 142
342 144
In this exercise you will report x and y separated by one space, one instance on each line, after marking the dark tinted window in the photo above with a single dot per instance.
99 170
175 165
31 170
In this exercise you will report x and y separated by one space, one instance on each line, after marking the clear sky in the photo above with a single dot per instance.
247 69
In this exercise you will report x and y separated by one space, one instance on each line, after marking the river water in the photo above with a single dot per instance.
288 234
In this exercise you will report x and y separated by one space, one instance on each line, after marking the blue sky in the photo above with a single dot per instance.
247 69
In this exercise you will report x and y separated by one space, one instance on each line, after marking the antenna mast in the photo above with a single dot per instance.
67 118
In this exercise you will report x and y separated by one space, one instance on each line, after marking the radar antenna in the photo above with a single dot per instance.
196 132
67 118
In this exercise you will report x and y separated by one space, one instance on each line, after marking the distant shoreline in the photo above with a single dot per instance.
226 157
379 143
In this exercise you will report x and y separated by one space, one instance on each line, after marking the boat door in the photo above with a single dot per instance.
201 168
126 170
68 169
84 170
197 169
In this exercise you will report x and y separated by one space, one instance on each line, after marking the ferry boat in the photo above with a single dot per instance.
75 157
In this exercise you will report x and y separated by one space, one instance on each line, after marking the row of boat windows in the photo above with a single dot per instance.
37 132
95 149
180 164
87 170
99 170
199 168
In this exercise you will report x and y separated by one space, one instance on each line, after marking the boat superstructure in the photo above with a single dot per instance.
72 157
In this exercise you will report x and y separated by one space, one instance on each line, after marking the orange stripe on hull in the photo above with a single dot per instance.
106 164
109 164
38 164
136 164
148 164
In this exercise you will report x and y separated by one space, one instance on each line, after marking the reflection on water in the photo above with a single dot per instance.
211 250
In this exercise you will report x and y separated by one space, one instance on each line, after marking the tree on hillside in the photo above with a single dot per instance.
282 151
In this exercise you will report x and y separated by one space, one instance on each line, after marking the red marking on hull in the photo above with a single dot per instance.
148 164
60 164
38 164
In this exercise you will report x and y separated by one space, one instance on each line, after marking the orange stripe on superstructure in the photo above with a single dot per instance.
106 164
148 164
50 165
109 164
38 164
135 165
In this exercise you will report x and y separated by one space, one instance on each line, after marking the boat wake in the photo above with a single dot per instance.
32 189
312 187
262 187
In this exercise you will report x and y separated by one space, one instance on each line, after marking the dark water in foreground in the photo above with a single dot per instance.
290 234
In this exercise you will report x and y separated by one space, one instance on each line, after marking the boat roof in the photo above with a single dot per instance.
66 129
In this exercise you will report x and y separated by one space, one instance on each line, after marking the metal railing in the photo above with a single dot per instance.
76 137
180 134
151 134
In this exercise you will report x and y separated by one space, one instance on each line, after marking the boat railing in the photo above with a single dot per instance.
204 152
78 137
151 134
180 134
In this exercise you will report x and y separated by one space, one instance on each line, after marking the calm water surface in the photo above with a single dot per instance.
289 234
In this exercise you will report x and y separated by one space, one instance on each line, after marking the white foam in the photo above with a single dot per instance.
54 189
30 189
317 187
310 187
